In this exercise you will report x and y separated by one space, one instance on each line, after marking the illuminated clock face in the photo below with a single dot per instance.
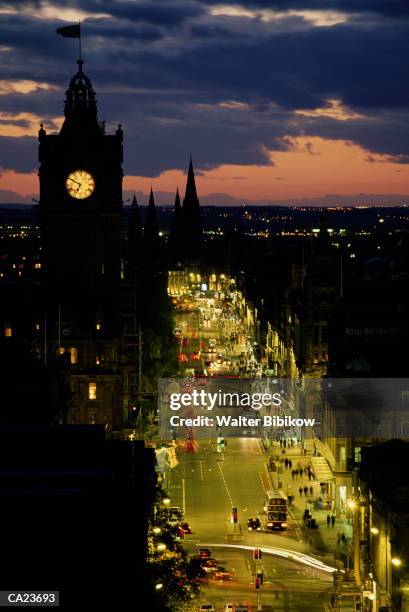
80 184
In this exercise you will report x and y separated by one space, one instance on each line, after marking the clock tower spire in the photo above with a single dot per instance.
81 219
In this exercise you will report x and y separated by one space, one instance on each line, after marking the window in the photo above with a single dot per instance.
92 415
92 391
315 357
73 355
99 325
357 454
8 331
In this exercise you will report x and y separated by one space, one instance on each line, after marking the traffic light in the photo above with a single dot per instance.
257 554
257 583
234 512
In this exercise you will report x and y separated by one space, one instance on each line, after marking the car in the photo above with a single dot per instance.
207 608
222 576
212 342
253 524
229 607
209 565
204 553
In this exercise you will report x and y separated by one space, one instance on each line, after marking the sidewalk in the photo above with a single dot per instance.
325 540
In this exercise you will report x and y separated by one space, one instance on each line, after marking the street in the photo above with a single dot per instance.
206 485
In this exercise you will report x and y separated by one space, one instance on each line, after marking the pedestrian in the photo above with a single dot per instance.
333 520
300 491
309 474
305 490
285 442
338 538
290 464
296 473
286 463
328 520
343 539
292 474
311 491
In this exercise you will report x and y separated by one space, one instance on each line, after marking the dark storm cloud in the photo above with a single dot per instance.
393 8
167 69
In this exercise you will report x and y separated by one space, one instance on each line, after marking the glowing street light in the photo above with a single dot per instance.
161 547
157 530
159 586
351 503
166 501
396 562
374 530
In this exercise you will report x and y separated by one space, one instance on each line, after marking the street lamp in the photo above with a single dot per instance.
351 503
159 586
166 501
374 530
157 530
396 562
161 547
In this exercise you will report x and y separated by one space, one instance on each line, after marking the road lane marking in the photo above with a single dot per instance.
201 470
225 484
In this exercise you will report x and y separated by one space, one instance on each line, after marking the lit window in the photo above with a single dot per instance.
37 326
92 391
37 266
73 355
61 350
8 332
98 326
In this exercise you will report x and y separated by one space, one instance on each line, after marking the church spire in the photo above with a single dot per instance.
192 223
151 225
190 200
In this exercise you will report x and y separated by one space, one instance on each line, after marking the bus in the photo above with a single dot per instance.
276 510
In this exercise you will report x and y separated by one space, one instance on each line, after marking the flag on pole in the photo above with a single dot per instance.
71 31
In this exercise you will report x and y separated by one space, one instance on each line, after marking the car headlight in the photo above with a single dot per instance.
283 524
269 524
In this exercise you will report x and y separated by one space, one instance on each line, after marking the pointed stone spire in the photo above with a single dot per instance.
151 225
190 200
178 207
192 223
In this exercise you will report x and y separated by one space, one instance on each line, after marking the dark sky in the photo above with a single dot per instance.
244 85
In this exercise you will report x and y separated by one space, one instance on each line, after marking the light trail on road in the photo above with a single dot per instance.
280 552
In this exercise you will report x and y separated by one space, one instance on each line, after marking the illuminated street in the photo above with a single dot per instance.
206 485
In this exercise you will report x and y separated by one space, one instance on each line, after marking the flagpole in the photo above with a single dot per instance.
79 41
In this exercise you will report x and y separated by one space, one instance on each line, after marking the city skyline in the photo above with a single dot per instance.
329 116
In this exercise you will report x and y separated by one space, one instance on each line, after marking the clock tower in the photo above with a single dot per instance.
81 221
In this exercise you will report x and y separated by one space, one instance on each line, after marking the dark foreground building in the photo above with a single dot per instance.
74 510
